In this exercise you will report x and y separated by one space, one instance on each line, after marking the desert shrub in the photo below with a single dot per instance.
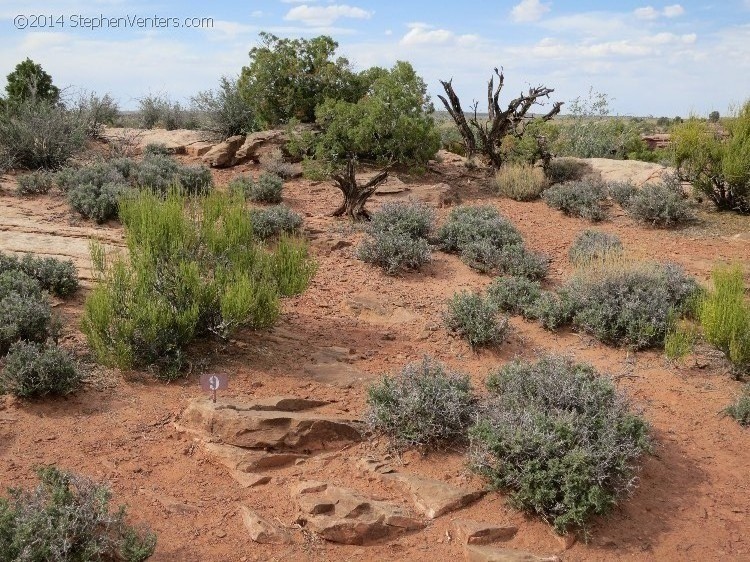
156 149
225 112
724 316
34 369
594 245
99 173
67 517
561 438
195 267
37 135
628 303
96 111
274 163
157 173
16 281
561 170
469 224
485 257
553 310
158 110
98 203
515 294
659 205
23 318
621 192
272 221
412 218
716 166
195 180
740 408
578 199
35 183
30 82
266 189
426 405
394 251
680 340
475 318
522 182
53 275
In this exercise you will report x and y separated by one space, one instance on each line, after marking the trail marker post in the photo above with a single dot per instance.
211 382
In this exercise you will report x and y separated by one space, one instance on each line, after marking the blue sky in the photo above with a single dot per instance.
650 57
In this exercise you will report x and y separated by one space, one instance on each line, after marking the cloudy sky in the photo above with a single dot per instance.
649 57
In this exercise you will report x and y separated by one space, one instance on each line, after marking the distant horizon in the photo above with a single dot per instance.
651 60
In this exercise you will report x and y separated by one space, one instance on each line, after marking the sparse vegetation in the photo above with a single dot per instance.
578 199
97 202
412 218
561 438
659 204
561 170
273 221
67 517
274 163
740 408
35 183
475 317
594 245
194 268
224 111
515 294
522 182
56 276
724 316
426 406
34 370
266 189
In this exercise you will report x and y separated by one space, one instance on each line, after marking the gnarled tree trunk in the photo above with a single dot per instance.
355 195
486 137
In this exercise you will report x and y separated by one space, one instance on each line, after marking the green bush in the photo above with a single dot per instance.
33 370
578 199
35 183
16 281
67 518
158 110
740 408
724 315
23 318
56 276
97 174
680 339
426 405
272 221
628 303
29 82
470 224
224 111
716 166
412 218
515 294
553 310
266 189
195 180
594 245
475 318
522 182
394 251
194 268
98 203
562 439
561 170
156 149
659 205
621 192
37 135
157 173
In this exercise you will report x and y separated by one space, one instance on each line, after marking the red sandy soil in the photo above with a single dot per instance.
693 501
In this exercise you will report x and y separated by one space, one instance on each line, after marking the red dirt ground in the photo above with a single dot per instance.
693 502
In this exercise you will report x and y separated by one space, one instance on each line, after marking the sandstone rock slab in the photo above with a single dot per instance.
261 530
434 497
222 155
475 532
476 553
345 516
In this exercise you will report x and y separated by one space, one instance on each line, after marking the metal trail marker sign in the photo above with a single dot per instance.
211 382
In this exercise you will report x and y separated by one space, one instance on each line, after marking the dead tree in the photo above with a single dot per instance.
485 137
355 195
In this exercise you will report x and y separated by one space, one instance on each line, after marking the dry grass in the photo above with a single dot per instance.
521 182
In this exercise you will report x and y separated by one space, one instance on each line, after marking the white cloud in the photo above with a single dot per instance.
646 13
424 34
651 13
325 15
673 11
529 10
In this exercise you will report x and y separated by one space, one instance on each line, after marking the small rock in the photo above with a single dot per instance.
476 553
434 497
474 532
263 531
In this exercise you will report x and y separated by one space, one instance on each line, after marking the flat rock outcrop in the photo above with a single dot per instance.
346 516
